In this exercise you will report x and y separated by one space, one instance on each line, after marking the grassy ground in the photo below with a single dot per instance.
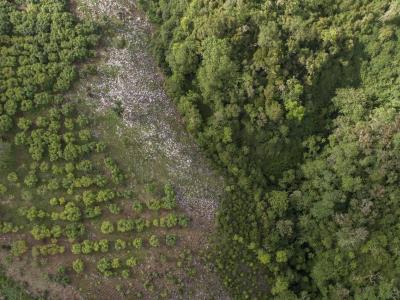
10 290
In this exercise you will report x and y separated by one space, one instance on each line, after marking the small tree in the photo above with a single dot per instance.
107 227
137 206
12 177
153 241
78 266
131 262
125 273
170 240
120 245
137 243
19 248
114 209
169 200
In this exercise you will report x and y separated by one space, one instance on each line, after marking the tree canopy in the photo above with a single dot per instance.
297 101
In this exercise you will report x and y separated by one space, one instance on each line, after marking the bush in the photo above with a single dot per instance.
125 225
137 243
12 177
170 240
154 204
3 189
169 200
104 266
76 249
153 241
107 227
78 266
125 274
73 231
120 245
137 207
114 209
131 262
19 248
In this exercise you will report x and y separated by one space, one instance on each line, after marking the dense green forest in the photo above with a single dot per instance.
298 101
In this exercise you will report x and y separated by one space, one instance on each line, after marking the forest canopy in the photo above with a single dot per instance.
298 102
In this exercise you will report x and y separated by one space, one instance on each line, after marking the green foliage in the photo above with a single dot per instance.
137 206
107 227
12 177
131 262
114 209
169 200
154 241
47 249
297 102
125 274
73 231
170 240
108 266
78 265
19 248
119 245
125 225
137 243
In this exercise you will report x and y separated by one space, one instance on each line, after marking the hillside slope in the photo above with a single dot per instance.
297 101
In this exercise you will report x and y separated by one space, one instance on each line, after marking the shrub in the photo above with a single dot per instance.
73 231
71 212
119 245
183 221
114 209
115 263
19 248
154 204
125 273
40 232
12 177
171 220
104 246
76 248
87 247
3 189
137 243
153 241
104 266
169 200
6 124
31 179
92 212
44 167
78 265
131 262
137 207
170 240
107 227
